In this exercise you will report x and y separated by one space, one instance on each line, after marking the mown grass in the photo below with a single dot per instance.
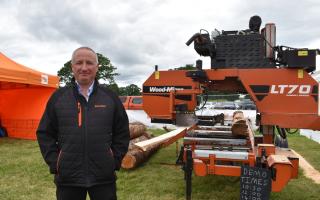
24 175
307 148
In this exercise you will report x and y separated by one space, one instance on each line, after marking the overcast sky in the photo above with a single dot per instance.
136 35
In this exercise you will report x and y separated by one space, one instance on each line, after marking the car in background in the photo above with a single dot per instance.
207 105
225 105
210 104
246 104
132 102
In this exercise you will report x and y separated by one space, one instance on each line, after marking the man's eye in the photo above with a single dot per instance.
89 63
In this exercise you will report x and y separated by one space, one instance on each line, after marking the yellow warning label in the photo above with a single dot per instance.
300 73
302 53
157 75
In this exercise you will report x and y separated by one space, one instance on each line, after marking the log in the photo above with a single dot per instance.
239 126
136 156
132 158
148 135
136 129
238 115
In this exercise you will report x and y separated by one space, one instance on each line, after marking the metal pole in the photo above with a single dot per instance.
188 173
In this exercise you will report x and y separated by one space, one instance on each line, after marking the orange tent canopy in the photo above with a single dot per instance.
13 72
24 93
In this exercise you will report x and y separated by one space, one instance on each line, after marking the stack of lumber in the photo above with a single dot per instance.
135 156
239 126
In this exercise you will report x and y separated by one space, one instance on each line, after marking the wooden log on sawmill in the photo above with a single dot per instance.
239 125
136 129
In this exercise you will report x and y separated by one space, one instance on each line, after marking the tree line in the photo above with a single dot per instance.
107 73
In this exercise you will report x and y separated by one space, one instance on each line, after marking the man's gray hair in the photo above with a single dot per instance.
87 48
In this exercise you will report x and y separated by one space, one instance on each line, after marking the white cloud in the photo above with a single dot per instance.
136 35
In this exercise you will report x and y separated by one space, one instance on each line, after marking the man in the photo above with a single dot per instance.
84 134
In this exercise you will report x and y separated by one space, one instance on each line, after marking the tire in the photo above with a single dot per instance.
280 142
3 132
292 131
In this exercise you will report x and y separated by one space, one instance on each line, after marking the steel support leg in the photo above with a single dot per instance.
188 173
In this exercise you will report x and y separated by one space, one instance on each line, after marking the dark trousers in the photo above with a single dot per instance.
98 192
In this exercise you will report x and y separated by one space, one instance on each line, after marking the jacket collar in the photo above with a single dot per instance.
76 90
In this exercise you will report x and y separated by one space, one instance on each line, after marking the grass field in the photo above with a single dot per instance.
24 176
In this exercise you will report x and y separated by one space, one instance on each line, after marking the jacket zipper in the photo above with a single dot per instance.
58 162
79 115
110 151
86 143
82 117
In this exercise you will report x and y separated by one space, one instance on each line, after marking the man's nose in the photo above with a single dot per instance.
84 66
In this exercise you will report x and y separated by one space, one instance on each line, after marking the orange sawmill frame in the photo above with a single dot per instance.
283 96
286 165
288 98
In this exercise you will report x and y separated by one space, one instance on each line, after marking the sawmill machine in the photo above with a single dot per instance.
277 78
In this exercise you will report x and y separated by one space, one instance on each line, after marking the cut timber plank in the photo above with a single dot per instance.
136 140
145 145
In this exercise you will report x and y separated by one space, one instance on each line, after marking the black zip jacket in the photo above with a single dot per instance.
83 142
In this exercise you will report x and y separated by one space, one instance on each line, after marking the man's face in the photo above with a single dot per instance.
84 66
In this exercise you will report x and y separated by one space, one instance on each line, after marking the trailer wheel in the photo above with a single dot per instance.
280 142
292 131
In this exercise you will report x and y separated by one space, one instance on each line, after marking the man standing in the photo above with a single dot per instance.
83 134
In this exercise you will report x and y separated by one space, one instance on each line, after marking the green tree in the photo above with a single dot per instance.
114 87
186 67
106 72
123 91
130 90
133 90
